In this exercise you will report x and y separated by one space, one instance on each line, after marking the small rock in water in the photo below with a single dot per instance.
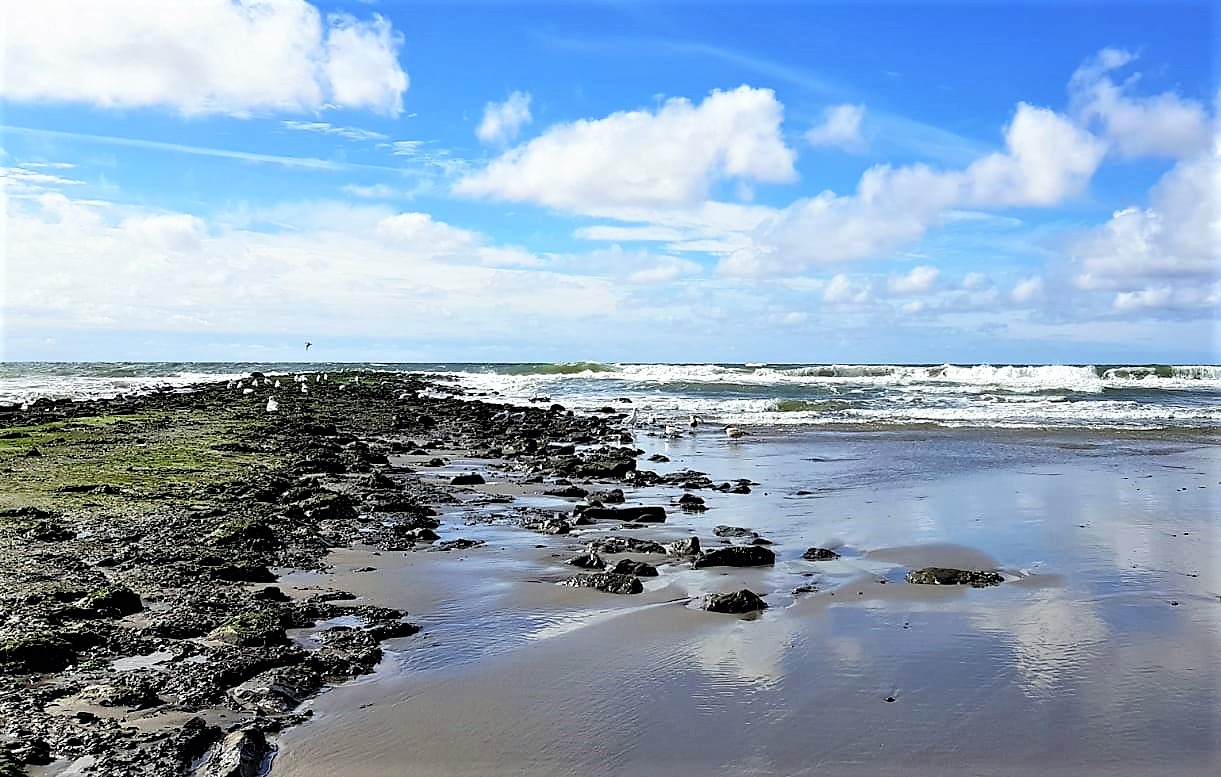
468 479
735 602
947 576
820 554
733 531
607 582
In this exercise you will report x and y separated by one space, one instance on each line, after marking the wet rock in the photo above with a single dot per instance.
650 514
253 532
736 556
611 545
761 541
115 601
607 582
627 566
689 546
568 492
243 572
612 497
690 503
588 561
253 628
239 754
808 588
458 544
948 576
820 554
735 602
35 652
131 691
551 525
467 479
734 531
659 457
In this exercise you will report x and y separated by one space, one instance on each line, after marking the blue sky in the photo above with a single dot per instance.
675 181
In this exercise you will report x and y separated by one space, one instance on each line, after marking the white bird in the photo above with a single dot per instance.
733 432
632 418
277 384
672 431
317 378
342 386
247 391
325 376
272 405
304 389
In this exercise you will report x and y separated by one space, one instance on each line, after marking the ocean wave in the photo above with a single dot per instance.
557 368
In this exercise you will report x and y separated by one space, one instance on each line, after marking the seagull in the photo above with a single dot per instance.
632 418
733 432
277 384
304 389
307 344
247 391
272 405
672 431
696 420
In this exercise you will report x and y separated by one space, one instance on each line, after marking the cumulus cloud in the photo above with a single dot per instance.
1166 124
503 121
841 127
1046 160
1163 255
209 56
919 281
842 290
666 158
1027 290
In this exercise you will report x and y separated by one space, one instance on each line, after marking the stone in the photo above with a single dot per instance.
239 754
467 479
684 547
253 628
624 545
588 561
627 566
115 600
607 582
568 492
651 514
948 576
734 531
736 556
735 602
820 554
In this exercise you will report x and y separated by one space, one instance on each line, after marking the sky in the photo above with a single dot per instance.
224 180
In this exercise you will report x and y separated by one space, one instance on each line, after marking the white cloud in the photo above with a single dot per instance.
200 57
325 128
919 281
974 280
668 158
1157 298
503 121
377 191
1027 289
841 127
667 268
1160 125
843 290
1046 160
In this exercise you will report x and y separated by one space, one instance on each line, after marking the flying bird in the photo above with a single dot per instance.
307 344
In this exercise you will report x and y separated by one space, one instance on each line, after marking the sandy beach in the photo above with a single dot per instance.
1097 655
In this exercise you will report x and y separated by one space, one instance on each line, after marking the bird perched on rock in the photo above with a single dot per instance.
272 405
304 389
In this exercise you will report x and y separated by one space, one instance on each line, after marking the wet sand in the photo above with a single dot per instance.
1098 655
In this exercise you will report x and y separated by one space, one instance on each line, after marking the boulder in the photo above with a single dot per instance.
467 479
736 556
947 576
734 602
685 547
651 514
627 566
115 600
588 561
623 545
820 554
239 754
253 628
607 582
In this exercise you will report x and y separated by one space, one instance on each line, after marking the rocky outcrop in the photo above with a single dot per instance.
734 602
736 556
820 554
607 582
651 514
684 547
627 566
240 754
612 545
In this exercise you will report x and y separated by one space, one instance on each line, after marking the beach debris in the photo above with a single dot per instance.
947 576
736 556
734 602
607 582
820 554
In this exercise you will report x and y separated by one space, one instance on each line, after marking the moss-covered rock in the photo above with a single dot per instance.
36 652
115 600
246 531
253 628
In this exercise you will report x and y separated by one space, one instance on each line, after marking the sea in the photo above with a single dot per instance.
860 396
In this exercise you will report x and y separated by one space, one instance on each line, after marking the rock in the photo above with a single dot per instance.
422 534
243 572
553 525
652 514
132 692
468 479
612 497
588 561
253 628
247 532
690 503
569 492
458 544
239 754
35 652
735 602
820 554
115 600
685 547
611 545
761 541
639 568
607 582
659 457
947 576
734 531
808 588
736 556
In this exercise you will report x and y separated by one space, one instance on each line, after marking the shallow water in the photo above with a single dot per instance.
1098 655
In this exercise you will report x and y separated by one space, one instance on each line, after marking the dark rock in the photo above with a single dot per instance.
569 492
467 479
626 566
611 497
736 602
607 582
239 754
658 457
588 561
820 554
650 514
458 544
253 628
115 600
35 652
243 572
761 541
736 556
947 576
611 545
254 532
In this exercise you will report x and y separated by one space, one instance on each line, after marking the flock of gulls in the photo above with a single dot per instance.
669 430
